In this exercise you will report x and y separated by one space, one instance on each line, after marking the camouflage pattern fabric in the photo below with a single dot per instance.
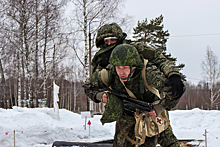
154 78
126 55
113 109
108 30
154 56
100 55
165 139
137 86
168 139
157 72
157 58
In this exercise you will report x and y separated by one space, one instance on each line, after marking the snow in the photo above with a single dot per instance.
40 127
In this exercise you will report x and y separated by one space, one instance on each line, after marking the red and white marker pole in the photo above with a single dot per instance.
89 123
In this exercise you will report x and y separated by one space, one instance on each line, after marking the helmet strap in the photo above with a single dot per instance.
129 76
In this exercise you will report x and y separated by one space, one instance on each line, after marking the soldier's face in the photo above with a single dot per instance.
110 41
123 71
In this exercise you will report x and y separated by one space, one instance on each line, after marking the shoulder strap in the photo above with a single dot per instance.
104 76
128 91
151 88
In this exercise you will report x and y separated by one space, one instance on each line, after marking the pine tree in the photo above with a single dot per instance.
152 34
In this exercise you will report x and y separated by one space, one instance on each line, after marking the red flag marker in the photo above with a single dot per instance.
45 131
83 125
203 134
6 133
71 128
21 132
89 123
216 137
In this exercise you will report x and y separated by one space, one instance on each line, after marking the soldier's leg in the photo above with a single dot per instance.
150 142
127 123
168 139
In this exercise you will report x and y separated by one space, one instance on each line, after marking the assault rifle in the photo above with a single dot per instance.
129 102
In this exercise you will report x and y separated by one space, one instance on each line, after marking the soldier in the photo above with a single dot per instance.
111 35
125 75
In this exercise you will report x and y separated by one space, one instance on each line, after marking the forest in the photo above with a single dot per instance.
46 41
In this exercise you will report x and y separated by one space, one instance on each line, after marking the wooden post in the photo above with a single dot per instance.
14 138
89 130
205 138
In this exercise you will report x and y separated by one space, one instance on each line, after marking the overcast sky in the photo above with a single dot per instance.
193 25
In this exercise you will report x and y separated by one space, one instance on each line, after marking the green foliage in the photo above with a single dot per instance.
152 34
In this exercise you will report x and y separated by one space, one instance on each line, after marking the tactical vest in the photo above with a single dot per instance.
146 125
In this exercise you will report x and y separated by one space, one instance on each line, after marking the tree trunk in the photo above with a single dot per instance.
36 55
3 85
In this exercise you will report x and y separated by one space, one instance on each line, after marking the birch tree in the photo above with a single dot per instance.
88 16
3 86
211 72
30 26
51 35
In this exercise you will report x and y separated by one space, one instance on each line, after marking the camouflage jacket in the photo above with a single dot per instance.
154 77
101 58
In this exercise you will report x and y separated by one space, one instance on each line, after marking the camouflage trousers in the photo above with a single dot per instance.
165 139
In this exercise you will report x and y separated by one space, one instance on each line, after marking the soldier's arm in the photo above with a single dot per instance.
157 58
157 79
95 82
168 102
165 65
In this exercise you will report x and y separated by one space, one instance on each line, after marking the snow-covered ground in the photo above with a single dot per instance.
40 127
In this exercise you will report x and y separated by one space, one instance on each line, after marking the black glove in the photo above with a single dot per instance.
105 61
177 85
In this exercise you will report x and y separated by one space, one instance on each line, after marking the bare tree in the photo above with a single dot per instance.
3 45
31 28
211 72
3 86
35 39
52 38
89 15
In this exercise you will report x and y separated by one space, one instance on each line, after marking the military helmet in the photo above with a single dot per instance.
126 55
108 30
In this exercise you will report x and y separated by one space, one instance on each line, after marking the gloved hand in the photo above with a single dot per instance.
105 61
177 85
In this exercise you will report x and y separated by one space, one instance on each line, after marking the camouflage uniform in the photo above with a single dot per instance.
154 77
101 58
